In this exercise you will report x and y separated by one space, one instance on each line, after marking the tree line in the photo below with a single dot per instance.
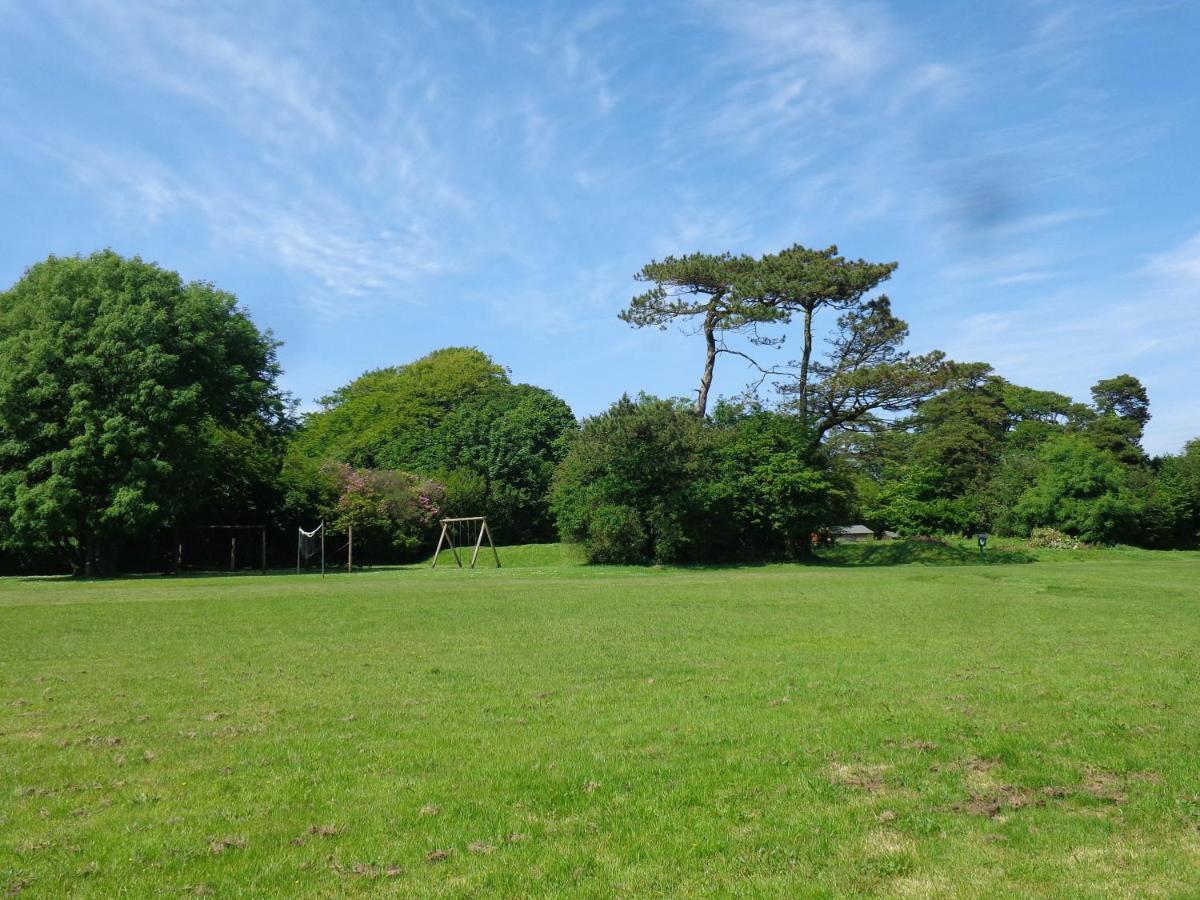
137 409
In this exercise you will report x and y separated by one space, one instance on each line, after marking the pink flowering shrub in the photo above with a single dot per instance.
389 510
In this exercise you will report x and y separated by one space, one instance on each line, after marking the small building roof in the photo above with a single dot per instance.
853 529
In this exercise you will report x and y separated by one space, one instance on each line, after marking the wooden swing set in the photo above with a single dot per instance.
474 528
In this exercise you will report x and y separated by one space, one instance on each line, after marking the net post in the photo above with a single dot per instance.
322 548
264 549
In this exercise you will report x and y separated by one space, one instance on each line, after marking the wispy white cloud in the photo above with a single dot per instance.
1146 321
1180 265
576 48
787 63
317 234
355 204
209 60
374 155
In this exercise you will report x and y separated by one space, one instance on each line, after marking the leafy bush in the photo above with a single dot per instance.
778 489
615 535
911 503
648 480
1052 539
1171 517
631 487
394 514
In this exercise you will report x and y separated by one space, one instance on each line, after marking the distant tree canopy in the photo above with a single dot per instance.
129 401
988 454
453 416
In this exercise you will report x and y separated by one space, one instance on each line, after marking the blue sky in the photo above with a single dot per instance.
377 180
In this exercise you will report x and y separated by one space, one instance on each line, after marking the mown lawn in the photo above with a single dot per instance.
855 727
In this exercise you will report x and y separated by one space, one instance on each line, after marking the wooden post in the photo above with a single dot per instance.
233 554
349 549
298 539
264 549
478 544
492 543
438 551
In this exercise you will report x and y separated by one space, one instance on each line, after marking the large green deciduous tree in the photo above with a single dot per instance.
125 395
1080 489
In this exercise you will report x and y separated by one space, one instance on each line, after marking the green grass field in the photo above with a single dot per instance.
896 721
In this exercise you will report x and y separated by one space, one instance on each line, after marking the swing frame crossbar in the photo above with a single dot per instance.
447 538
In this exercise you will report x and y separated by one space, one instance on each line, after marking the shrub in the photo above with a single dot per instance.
616 535
777 486
632 485
393 513
648 480
1052 539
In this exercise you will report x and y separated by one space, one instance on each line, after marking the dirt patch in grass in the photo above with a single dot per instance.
366 870
863 777
220 845
978 775
321 831
1006 797
1104 786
